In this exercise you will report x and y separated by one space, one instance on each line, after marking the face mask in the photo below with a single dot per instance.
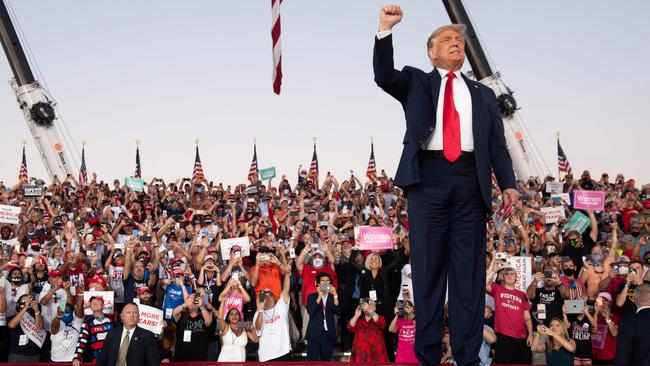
67 317
569 272
623 271
317 262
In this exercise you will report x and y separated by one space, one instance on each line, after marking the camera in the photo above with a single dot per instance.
145 238
324 288
548 274
401 304
501 256
364 301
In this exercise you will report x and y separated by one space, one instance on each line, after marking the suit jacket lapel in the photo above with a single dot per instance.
133 341
473 91
435 80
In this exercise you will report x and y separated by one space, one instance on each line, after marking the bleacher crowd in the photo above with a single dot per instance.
296 281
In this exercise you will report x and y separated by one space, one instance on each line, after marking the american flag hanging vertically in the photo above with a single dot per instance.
138 167
313 169
371 172
562 161
83 174
253 172
22 175
277 45
197 174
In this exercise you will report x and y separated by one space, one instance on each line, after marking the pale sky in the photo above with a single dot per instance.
169 72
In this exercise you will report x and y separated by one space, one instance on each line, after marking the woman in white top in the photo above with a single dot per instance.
234 335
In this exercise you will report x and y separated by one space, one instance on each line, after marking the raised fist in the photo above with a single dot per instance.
389 15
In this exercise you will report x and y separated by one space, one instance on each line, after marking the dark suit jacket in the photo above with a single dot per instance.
634 340
143 348
418 92
316 316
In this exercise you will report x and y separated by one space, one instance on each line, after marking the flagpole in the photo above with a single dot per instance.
557 136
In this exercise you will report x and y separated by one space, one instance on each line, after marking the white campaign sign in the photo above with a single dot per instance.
553 214
523 267
226 244
9 214
151 319
28 325
108 297
554 187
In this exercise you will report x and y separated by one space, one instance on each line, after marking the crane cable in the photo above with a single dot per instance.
68 140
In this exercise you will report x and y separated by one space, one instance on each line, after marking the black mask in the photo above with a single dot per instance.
569 272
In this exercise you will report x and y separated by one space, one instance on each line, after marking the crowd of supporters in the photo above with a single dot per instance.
303 284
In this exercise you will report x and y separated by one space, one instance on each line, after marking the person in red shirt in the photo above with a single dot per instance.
603 340
368 328
512 322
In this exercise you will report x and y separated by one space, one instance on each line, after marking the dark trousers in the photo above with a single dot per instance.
511 350
447 219
319 349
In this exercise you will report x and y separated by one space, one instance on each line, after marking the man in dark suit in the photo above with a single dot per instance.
634 332
129 344
322 306
454 139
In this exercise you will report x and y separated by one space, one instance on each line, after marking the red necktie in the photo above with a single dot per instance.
450 123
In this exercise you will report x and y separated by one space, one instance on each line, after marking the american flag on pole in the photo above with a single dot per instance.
83 174
253 172
562 161
22 175
277 49
138 167
371 172
197 174
313 169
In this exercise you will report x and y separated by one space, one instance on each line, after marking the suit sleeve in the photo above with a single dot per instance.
625 337
153 354
499 155
393 82
102 358
312 306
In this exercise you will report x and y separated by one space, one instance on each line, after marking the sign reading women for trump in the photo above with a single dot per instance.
589 200
375 237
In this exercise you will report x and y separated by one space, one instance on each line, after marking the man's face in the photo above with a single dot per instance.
97 305
138 269
145 297
130 316
448 50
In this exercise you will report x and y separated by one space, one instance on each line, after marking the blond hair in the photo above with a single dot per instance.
460 28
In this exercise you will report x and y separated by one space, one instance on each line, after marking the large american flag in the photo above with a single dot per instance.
83 174
22 175
277 49
371 172
253 172
562 161
197 174
138 167
313 169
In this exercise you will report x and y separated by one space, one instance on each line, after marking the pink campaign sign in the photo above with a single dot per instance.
589 200
375 237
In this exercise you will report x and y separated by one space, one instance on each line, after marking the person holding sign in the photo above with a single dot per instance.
26 336
129 344
454 141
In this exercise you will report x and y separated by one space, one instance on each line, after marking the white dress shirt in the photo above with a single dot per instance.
463 104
